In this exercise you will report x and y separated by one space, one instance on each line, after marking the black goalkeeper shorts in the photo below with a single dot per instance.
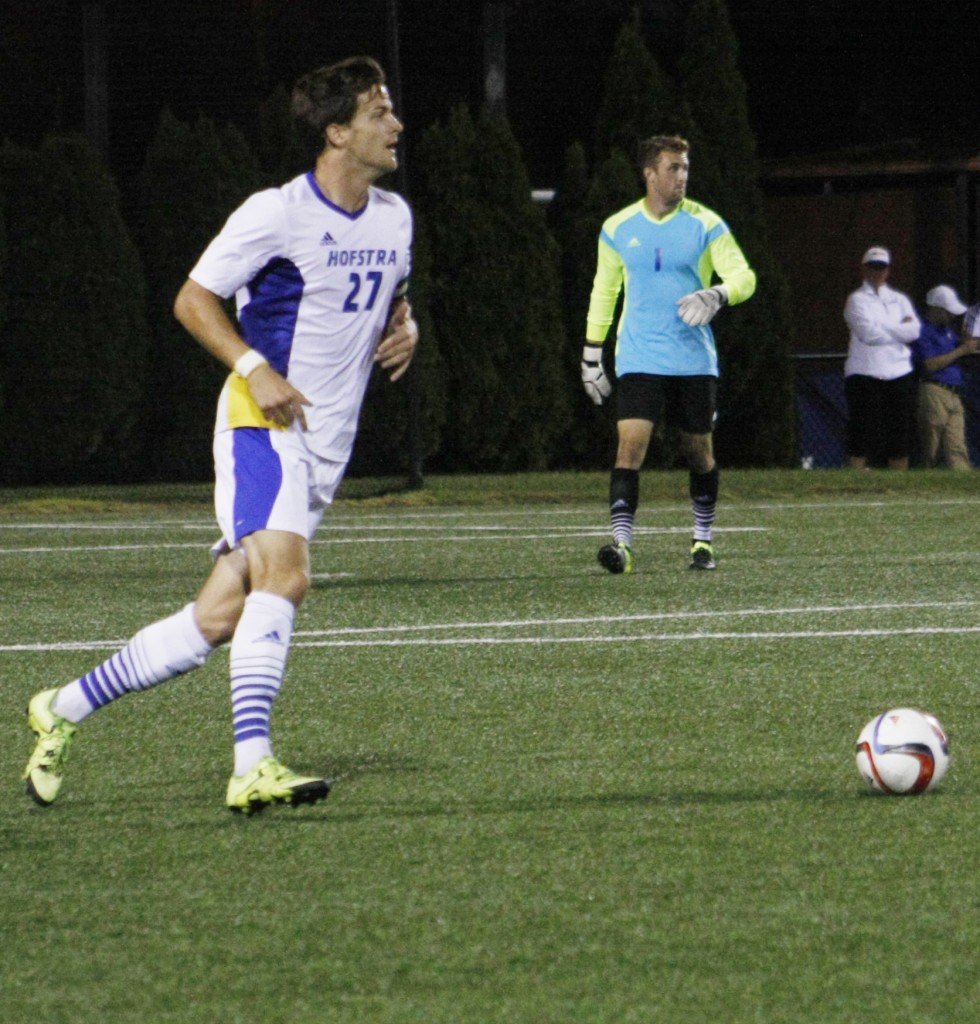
687 403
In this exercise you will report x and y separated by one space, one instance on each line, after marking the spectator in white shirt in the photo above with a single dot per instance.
879 381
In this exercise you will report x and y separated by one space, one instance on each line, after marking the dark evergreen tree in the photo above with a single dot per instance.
385 444
581 205
280 153
638 98
756 410
3 258
74 358
193 177
495 298
3 282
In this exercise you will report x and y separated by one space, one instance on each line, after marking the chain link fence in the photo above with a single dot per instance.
822 410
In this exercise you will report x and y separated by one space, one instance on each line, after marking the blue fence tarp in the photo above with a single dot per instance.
822 411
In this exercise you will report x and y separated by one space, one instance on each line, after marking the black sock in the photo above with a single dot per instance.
704 498
624 496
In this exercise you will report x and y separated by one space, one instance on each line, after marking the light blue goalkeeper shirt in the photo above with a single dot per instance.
655 262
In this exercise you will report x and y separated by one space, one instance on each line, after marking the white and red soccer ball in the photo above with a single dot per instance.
902 751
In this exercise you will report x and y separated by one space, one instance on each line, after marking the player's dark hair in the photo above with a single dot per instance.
649 150
329 96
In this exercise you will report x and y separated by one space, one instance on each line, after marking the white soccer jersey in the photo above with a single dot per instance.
313 285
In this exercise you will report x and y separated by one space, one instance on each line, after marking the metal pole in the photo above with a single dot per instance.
96 76
412 382
495 58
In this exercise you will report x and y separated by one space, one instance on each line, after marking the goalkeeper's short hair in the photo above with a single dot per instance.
649 150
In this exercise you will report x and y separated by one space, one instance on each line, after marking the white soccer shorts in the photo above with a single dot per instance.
269 480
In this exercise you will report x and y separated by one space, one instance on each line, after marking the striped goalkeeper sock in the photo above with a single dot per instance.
624 496
704 499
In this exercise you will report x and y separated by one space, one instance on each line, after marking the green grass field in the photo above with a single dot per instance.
561 796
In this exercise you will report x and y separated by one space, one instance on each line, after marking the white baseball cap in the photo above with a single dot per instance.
943 297
877 254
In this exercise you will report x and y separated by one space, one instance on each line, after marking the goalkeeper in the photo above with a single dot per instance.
663 252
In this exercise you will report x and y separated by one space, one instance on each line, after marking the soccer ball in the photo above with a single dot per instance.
902 751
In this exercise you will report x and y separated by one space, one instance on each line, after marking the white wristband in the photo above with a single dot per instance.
249 362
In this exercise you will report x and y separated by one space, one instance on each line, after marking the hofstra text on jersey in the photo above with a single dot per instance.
362 258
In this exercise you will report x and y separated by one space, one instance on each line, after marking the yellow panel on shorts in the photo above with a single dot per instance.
242 410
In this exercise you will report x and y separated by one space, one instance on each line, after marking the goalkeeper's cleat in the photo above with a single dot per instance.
45 767
702 556
616 558
270 782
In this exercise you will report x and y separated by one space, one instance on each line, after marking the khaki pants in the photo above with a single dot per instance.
942 427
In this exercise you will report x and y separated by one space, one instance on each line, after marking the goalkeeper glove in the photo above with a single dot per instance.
597 384
698 308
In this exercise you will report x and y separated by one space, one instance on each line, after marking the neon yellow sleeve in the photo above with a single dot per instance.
733 268
606 287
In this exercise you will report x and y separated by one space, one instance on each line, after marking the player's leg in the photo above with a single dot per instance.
695 414
279 567
929 417
162 651
898 417
624 494
639 405
858 391
268 490
279 563
957 453
703 489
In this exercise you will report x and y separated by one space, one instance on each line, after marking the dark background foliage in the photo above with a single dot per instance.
97 234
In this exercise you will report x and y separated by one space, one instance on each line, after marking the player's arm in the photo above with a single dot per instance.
933 364
863 325
971 323
606 286
910 326
203 315
401 336
867 326
738 281
738 278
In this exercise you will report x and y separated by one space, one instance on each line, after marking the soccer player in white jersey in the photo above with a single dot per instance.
663 251
319 269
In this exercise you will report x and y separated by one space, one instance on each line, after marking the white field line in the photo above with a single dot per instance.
338 521
437 534
802 634
99 547
335 638
644 617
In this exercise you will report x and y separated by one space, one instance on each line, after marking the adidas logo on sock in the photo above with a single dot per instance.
272 637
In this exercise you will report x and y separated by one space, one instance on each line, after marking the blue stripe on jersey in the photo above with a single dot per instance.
258 477
269 318
311 178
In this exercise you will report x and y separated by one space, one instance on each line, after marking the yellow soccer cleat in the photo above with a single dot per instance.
270 782
45 768
616 558
702 557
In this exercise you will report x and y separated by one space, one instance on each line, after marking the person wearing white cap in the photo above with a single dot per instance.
941 418
879 382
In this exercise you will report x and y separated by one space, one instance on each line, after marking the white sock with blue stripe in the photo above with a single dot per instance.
162 651
258 661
